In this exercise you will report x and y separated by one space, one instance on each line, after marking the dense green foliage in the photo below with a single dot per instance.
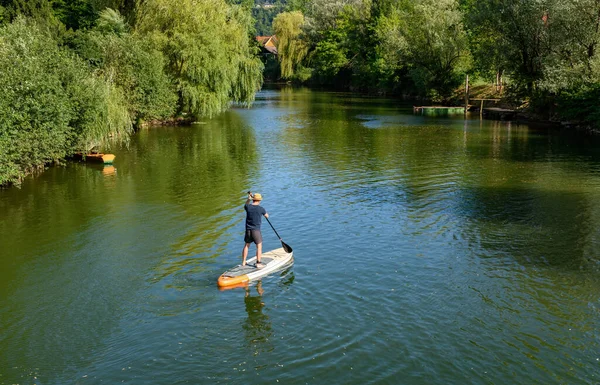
79 75
264 16
135 67
546 51
291 48
51 105
208 51
78 72
418 47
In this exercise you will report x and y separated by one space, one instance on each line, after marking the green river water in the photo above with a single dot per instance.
428 250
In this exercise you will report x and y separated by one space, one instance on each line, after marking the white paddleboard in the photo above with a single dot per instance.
273 260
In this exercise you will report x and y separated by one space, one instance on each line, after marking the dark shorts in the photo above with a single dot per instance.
253 236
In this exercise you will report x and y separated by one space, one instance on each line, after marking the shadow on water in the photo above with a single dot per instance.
257 327
523 143
533 226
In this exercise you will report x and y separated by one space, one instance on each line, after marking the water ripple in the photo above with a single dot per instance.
427 250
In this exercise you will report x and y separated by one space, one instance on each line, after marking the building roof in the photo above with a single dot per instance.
263 39
268 43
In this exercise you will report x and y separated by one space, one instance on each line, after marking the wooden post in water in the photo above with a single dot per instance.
481 110
466 93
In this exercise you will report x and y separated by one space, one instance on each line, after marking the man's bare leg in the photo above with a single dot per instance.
245 253
258 253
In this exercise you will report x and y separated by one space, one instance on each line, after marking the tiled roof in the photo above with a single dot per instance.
263 39
268 43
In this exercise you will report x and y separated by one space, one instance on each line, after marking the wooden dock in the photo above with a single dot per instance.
495 113
438 110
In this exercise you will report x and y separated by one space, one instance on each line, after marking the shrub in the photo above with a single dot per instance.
52 104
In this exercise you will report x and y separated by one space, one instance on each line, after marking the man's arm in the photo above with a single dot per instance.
249 198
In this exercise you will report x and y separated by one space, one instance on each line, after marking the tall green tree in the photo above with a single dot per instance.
486 42
341 52
132 64
427 38
292 49
207 44
570 86
520 30
574 29
323 15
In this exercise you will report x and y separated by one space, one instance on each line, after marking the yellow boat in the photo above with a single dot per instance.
96 157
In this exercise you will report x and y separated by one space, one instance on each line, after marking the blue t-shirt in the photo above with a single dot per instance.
254 215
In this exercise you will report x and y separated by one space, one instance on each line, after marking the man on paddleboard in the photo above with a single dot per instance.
254 214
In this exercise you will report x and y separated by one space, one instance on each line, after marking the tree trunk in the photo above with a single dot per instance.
499 80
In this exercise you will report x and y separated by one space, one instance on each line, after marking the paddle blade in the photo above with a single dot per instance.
286 247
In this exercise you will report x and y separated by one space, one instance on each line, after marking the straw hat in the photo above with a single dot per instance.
256 197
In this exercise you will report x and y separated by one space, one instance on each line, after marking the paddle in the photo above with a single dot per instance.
285 246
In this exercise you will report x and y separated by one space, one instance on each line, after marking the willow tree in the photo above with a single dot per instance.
291 49
131 64
207 46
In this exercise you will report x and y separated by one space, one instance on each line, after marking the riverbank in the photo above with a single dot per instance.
522 115
500 104
174 121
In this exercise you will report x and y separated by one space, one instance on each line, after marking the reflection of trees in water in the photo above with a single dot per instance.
211 160
203 170
257 326
53 206
80 223
535 227
521 193
524 195
174 185
336 136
